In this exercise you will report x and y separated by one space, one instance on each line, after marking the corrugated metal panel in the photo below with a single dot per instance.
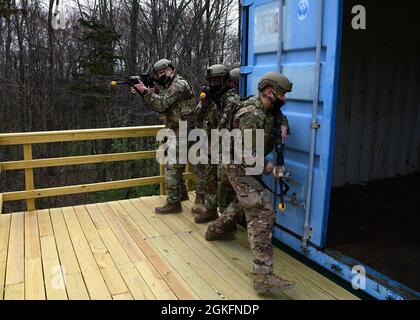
298 61
378 118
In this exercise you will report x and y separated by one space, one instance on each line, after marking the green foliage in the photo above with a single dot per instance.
99 41
120 194
145 191
121 145
96 63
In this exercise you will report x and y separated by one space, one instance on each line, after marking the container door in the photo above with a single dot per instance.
284 36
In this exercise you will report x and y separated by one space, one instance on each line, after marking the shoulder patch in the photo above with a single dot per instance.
247 110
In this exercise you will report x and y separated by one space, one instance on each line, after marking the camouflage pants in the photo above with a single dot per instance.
219 192
174 179
201 186
211 199
226 194
253 201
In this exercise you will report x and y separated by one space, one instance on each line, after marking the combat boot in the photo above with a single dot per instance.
198 208
214 236
232 227
207 216
184 196
264 283
170 208
184 193
199 199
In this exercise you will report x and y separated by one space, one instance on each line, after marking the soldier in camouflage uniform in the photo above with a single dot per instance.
234 79
252 198
201 173
175 102
226 194
224 199
219 95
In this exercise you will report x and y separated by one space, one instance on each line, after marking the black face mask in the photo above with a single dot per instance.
278 104
215 89
163 80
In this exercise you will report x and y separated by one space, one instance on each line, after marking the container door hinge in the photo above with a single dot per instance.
308 233
307 236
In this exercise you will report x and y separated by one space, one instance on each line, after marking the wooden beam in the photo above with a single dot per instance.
1 203
77 135
29 177
68 161
87 188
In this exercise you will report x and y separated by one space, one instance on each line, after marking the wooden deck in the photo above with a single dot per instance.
122 250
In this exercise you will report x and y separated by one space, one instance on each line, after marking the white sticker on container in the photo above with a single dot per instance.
303 9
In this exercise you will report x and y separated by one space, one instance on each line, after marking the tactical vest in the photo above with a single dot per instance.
254 106
215 111
183 109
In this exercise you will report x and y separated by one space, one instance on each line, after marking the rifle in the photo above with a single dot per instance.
284 187
279 148
147 79
204 92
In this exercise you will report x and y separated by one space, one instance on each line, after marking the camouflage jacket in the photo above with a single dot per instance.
210 115
251 114
175 103
231 112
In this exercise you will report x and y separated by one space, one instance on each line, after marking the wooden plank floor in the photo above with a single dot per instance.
122 250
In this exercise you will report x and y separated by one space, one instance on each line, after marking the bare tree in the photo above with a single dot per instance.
48 75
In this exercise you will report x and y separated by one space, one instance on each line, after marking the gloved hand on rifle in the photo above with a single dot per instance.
277 172
284 133
204 96
141 87
138 84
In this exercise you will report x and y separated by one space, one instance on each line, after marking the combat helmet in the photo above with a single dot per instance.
217 70
277 80
162 64
235 75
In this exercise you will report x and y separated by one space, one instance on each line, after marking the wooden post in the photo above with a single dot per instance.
29 177
1 203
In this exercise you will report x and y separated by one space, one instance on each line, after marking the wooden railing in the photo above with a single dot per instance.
28 164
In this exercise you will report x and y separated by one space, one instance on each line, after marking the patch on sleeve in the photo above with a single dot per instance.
248 110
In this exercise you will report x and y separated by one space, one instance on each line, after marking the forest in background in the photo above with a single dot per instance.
58 79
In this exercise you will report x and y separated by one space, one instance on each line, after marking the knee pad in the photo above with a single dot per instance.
251 199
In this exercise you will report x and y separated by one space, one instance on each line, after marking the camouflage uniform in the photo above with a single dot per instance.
226 194
201 168
210 116
175 103
213 182
251 197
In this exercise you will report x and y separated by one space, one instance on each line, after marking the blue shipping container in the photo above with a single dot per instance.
354 119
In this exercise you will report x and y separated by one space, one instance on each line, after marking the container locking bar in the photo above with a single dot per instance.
314 127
